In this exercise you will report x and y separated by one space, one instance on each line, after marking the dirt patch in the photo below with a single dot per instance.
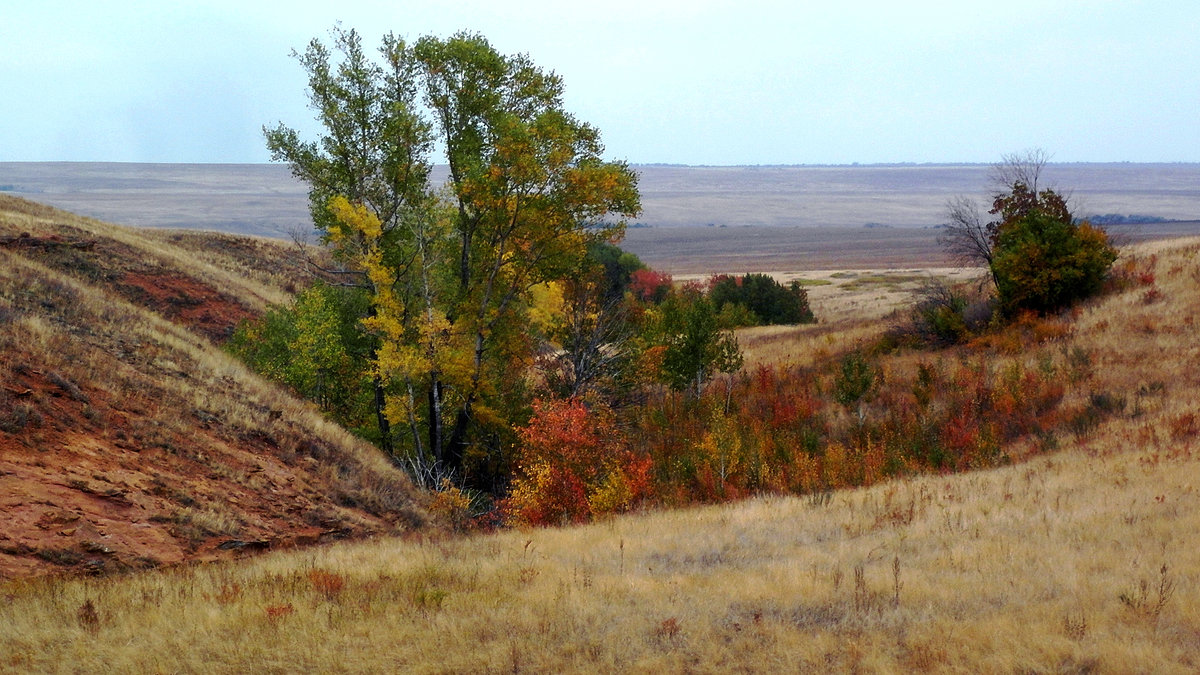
269 261
138 273
86 489
123 447
185 301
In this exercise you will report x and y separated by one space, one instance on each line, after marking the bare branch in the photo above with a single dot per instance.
596 342
966 236
1019 168
329 275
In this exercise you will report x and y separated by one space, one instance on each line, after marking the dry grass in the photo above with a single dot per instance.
209 258
1050 566
851 306
1079 561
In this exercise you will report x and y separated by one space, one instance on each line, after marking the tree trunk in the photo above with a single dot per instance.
464 262
457 445
380 403
385 429
412 421
436 444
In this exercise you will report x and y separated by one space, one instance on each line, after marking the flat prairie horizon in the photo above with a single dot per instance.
695 220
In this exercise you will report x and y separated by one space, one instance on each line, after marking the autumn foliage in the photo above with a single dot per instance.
650 286
845 422
574 464
786 430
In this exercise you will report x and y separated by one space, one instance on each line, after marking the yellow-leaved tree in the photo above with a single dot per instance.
451 274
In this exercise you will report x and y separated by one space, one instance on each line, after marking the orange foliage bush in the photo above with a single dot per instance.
327 584
451 506
573 465
781 430
277 612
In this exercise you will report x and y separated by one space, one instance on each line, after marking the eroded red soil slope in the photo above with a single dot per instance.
128 440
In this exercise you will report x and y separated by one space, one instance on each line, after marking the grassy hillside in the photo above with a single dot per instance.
127 438
1078 560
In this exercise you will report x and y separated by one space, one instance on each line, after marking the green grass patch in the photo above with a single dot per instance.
876 280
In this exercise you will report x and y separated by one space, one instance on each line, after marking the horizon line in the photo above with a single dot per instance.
674 165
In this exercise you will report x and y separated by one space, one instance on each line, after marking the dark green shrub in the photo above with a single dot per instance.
770 302
946 315
618 267
1042 259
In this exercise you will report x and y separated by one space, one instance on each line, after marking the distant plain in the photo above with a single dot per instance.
696 220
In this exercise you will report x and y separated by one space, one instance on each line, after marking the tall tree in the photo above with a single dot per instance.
1038 256
449 272
1044 260
529 186
696 348
373 152
967 235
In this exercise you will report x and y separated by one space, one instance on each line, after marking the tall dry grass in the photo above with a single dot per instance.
1079 561
852 307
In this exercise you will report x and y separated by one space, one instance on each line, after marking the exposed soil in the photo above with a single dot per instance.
119 450
134 275
89 488
26 240
185 301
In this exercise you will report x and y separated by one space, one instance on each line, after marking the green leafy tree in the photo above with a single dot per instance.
314 347
373 153
449 273
530 191
696 348
1039 258
770 302
617 266
1044 261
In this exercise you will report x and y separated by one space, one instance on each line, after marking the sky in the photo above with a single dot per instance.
700 82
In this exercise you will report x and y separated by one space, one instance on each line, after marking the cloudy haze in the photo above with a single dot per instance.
696 82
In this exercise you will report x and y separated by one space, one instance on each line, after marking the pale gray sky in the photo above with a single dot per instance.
689 82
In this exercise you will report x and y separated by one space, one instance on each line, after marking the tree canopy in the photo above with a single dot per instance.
1044 261
768 301
695 346
1038 256
449 271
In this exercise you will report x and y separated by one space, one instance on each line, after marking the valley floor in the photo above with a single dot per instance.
1081 560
